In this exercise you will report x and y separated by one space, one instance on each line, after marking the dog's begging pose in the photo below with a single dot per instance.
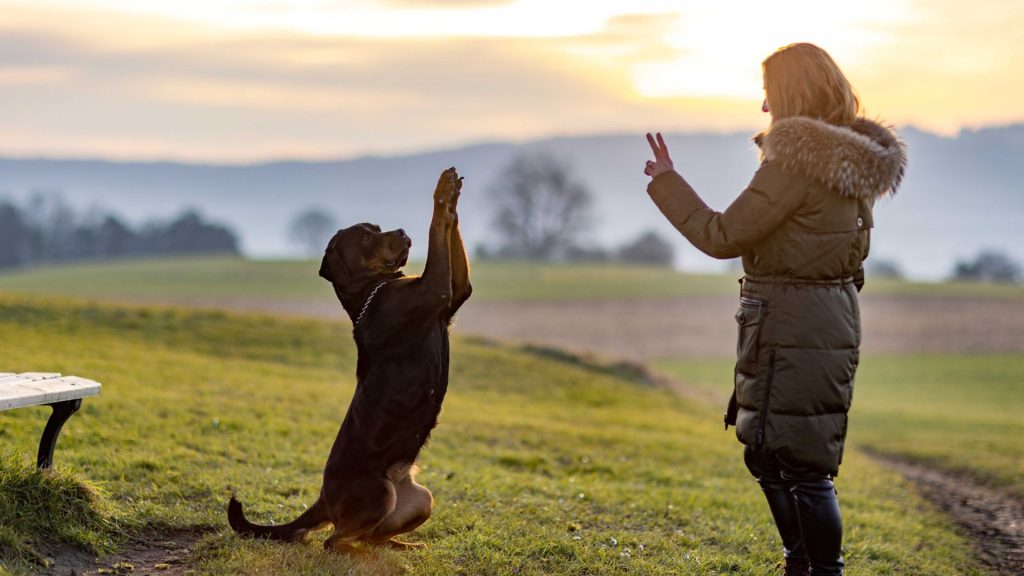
400 326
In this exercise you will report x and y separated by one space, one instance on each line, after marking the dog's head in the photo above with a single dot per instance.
363 252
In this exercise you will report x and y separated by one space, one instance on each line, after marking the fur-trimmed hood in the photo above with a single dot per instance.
862 160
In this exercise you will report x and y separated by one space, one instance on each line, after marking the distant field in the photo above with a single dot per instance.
542 465
188 280
958 412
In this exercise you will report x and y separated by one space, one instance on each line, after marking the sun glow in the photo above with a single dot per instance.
710 50
722 44
258 77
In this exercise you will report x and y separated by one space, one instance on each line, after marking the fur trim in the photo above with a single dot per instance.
862 160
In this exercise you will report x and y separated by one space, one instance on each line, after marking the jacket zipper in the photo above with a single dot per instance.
767 394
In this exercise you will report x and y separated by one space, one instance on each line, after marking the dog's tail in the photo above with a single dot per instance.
311 519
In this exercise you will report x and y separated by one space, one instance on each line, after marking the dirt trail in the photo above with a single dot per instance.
703 326
700 327
158 555
992 519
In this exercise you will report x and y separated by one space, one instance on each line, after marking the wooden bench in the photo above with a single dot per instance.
62 393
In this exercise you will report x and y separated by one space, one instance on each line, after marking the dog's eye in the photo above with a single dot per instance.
366 238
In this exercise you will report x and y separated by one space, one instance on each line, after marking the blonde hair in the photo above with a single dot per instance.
803 80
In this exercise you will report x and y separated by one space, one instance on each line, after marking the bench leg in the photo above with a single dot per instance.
61 412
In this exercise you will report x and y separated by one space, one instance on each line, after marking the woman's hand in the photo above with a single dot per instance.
662 162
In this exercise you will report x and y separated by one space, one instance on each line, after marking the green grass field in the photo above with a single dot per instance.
185 280
539 466
957 412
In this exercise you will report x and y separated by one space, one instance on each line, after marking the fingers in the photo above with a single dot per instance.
654 145
658 147
664 148
649 168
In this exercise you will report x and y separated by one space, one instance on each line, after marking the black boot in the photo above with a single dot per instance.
820 525
784 512
795 567
782 504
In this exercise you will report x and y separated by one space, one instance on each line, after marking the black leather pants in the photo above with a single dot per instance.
806 511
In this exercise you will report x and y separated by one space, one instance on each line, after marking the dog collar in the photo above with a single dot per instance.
368 300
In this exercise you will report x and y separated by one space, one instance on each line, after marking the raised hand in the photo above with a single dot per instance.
662 162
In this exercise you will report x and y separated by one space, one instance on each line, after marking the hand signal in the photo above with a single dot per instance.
662 162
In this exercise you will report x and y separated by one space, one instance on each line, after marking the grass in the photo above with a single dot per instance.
960 413
216 279
58 504
542 464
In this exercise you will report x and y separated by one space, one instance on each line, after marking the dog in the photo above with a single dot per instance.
400 326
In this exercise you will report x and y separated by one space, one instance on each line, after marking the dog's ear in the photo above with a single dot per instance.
333 268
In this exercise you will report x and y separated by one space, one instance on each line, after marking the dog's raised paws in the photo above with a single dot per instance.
448 186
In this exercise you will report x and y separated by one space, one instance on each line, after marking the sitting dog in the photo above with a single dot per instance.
400 326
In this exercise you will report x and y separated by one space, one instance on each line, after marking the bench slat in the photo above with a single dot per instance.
37 388
13 382
29 376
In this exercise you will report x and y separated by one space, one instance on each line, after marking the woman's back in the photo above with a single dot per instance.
837 173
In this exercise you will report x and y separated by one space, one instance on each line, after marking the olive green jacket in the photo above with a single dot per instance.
802 227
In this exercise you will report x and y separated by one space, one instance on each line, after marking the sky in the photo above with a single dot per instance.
253 80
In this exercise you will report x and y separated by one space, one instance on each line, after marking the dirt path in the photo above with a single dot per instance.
700 327
992 519
703 326
158 555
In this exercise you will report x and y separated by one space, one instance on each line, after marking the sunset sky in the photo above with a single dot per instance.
239 81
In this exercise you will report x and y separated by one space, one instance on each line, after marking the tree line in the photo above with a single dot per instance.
541 211
45 229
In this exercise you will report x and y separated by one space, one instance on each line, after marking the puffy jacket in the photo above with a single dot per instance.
803 229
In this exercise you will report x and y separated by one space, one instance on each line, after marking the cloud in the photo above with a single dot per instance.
232 96
248 97
32 75
143 85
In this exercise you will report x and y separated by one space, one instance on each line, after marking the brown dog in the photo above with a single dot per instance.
400 326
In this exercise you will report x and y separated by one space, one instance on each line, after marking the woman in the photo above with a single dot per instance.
802 227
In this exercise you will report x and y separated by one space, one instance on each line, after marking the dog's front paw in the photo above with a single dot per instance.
447 186
454 202
456 191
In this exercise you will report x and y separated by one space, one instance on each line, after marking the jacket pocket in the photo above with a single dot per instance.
748 324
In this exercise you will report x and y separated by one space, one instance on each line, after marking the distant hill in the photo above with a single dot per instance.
961 193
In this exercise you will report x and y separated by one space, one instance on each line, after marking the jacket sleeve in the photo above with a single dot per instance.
768 200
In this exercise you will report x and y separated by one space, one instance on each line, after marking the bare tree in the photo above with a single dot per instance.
311 229
541 209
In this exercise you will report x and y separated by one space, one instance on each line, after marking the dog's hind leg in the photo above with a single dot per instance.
414 506
362 507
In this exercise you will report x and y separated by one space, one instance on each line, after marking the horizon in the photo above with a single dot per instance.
242 163
243 82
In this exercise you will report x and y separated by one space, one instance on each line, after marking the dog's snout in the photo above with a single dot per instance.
402 235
